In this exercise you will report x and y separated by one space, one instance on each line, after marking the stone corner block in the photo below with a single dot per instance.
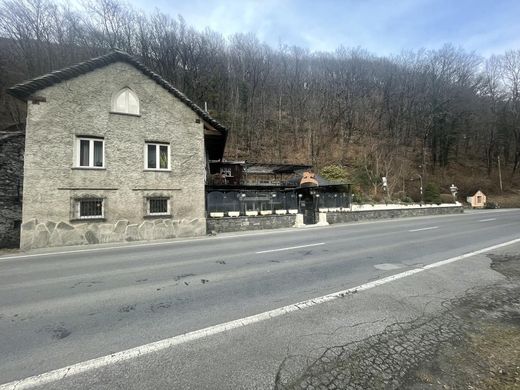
146 230
64 226
132 233
30 224
120 226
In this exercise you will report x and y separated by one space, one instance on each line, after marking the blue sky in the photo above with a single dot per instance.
382 27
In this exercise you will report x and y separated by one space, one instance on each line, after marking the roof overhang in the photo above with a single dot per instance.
214 141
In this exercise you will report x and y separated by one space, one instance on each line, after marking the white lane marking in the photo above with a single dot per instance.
97 249
427 228
291 247
104 361
127 246
109 248
388 266
487 220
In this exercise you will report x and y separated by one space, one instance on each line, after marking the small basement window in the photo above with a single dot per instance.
90 152
89 208
157 156
158 206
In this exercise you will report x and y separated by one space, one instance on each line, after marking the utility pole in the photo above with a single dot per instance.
420 177
500 175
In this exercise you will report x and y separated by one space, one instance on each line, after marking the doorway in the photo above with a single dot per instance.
308 208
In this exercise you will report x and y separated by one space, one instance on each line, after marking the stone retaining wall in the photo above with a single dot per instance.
50 234
242 223
234 224
392 213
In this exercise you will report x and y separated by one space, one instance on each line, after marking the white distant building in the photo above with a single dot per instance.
478 200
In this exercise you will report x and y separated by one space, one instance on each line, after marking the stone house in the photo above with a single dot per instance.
113 152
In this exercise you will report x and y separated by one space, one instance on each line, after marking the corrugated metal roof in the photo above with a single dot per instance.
274 168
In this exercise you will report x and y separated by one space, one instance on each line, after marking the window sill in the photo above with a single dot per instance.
100 219
157 216
125 114
157 170
90 168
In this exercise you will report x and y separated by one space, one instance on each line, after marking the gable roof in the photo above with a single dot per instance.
24 90
470 191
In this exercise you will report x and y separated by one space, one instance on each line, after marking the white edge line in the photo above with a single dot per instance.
427 228
146 244
487 220
291 247
78 368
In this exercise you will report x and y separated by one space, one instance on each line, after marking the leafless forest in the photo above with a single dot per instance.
447 114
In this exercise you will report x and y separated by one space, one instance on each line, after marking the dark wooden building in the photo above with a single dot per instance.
243 173
237 188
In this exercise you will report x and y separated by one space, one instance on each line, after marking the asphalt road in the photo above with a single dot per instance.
65 308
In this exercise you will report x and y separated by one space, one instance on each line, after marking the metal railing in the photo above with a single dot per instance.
244 201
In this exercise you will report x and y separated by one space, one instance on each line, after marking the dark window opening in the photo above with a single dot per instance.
84 146
152 158
90 208
157 206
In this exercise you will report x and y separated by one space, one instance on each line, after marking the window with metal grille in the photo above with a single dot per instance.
158 206
89 208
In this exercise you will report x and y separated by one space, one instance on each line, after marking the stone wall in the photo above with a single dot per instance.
10 219
37 234
234 224
82 107
392 213
228 224
11 177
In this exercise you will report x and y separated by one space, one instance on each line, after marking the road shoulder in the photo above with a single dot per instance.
282 351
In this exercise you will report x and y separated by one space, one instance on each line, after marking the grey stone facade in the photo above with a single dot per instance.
11 170
81 106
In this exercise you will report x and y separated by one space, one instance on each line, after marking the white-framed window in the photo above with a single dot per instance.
158 206
226 172
125 102
89 208
157 156
90 152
